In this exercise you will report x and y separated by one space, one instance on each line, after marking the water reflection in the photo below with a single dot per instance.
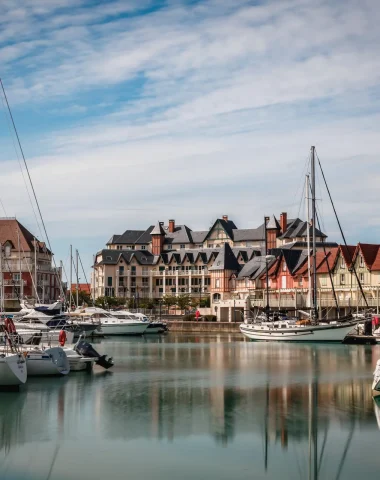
263 406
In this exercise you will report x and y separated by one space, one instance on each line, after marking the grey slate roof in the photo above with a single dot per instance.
157 230
226 260
199 237
113 257
128 237
273 223
298 228
254 268
146 237
249 234
181 234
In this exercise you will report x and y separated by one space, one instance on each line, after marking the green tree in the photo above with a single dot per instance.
84 297
169 300
205 302
109 302
183 301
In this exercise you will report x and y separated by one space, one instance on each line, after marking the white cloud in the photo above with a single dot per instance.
209 108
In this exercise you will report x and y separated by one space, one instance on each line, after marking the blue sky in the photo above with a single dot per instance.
136 111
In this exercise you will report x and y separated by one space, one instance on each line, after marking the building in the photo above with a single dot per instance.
173 259
26 259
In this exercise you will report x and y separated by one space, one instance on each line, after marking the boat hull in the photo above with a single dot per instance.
13 370
376 381
320 333
52 361
123 328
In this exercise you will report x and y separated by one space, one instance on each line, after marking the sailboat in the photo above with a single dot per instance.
288 330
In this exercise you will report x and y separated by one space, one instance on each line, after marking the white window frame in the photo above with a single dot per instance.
217 283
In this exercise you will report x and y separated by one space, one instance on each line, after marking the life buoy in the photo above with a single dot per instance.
9 325
62 338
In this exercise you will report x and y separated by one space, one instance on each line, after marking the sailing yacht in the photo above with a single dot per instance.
13 370
289 331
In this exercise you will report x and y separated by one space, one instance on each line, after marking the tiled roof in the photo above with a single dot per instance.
8 232
369 252
181 234
347 252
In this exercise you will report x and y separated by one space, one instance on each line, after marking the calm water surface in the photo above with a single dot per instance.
199 407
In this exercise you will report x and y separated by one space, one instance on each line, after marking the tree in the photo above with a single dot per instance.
146 303
169 300
109 302
183 301
83 297
205 302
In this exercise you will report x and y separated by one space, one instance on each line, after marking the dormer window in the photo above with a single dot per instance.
7 250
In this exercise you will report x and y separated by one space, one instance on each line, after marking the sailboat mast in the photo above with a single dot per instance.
313 217
71 276
77 287
307 203
1 279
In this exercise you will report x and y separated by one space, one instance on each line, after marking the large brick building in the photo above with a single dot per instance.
24 259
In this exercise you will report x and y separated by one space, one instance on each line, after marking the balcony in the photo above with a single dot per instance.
174 273
10 282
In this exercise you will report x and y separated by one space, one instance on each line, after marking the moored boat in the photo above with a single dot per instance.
13 370
285 331
376 380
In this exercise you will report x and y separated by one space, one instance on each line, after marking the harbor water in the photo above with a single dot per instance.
199 407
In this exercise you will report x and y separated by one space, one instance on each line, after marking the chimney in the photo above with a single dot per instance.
225 218
283 222
171 226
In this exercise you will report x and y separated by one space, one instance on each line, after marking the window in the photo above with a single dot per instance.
143 247
182 245
342 263
133 270
109 281
208 281
323 281
361 261
361 276
121 271
283 281
342 279
301 281
217 283
284 266
247 282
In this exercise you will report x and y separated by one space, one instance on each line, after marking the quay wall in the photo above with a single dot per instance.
212 327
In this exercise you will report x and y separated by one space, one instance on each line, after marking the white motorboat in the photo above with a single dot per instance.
153 327
376 380
13 370
111 325
77 362
287 331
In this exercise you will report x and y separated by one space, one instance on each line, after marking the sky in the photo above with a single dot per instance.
133 112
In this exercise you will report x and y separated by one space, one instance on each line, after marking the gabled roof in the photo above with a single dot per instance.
226 260
368 251
347 252
8 232
255 267
113 257
157 230
227 225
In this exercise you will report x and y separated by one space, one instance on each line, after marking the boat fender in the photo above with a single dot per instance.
9 325
62 338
